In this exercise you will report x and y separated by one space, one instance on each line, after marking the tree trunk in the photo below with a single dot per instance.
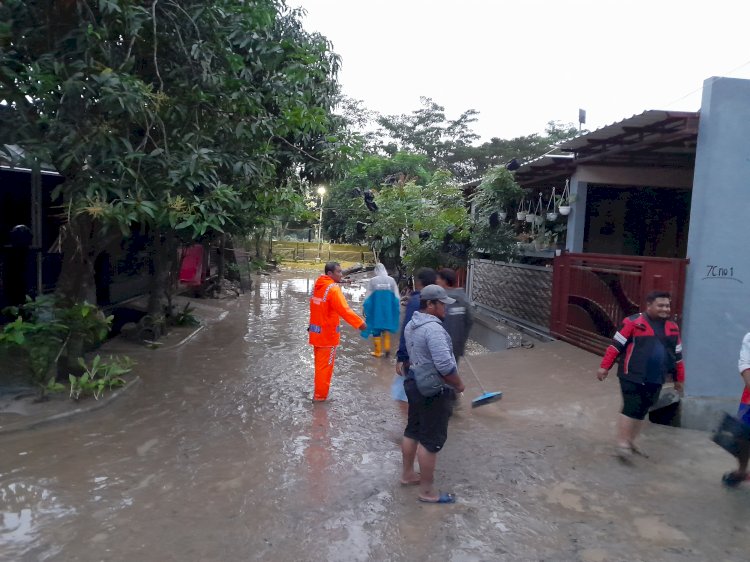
163 256
257 237
269 253
221 266
81 243
79 251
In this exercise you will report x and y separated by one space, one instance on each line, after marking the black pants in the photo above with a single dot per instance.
428 417
638 398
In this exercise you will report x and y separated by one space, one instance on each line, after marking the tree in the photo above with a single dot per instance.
183 116
429 221
346 217
427 131
491 236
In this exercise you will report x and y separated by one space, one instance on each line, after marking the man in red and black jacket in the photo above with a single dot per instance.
648 349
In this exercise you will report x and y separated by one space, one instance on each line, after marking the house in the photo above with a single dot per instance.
26 265
30 263
658 200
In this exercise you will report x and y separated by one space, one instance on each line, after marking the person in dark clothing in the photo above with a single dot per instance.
647 348
458 318
424 276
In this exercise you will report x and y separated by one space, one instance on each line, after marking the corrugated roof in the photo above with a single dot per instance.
641 121
654 138
13 157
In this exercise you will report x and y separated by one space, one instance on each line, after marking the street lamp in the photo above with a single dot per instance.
321 192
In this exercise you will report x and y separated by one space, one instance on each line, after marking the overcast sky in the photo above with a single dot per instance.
523 63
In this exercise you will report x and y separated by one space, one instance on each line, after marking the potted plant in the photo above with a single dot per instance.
530 213
521 213
497 193
551 206
565 200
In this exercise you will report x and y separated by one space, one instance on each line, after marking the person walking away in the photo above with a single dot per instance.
458 317
424 276
647 348
735 477
327 305
382 310
427 424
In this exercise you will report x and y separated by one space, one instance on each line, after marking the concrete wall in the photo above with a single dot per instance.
717 296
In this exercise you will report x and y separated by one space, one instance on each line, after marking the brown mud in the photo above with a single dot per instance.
219 454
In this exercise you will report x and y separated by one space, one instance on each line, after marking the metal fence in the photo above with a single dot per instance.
326 252
521 293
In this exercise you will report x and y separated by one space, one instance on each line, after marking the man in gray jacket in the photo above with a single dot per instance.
426 431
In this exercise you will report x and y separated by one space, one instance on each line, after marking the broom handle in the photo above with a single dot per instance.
474 374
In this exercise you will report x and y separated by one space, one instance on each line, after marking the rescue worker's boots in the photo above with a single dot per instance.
378 346
387 343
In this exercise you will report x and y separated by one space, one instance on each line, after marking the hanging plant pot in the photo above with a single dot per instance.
538 220
551 217
564 210
502 215
521 215
530 217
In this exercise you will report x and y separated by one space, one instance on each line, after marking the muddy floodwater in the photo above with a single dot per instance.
220 455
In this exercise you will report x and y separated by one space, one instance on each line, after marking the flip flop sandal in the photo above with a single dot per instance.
444 498
638 452
624 455
732 479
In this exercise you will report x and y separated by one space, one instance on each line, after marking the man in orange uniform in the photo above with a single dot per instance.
327 304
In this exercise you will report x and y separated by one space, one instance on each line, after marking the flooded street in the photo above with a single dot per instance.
220 455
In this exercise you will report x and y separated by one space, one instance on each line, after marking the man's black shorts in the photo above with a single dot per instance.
637 399
428 417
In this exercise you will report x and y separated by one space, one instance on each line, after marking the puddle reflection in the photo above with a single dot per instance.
25 510
318 457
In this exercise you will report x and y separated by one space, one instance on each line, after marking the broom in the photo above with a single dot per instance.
486 397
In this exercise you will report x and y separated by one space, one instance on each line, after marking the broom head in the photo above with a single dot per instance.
486 398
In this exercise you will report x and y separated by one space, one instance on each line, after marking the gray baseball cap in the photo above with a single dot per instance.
435 293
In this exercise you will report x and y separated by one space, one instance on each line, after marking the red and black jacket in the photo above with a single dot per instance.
634 343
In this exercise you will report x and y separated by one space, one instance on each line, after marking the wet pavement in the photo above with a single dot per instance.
219 454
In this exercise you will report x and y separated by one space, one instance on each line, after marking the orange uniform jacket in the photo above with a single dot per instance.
327 304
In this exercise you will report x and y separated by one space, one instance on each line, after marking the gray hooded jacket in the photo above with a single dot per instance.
428 342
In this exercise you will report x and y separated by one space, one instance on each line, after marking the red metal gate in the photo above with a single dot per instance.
592 293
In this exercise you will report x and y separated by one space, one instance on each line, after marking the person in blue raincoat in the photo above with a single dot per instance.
381 308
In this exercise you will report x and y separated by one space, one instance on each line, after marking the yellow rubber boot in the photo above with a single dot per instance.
378 345
387 343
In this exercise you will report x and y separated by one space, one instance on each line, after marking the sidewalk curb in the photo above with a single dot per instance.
184 340
93 406
506 328
491 324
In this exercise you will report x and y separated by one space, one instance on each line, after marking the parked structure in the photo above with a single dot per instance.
26 200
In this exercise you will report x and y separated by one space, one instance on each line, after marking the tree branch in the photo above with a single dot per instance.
156 42
296 148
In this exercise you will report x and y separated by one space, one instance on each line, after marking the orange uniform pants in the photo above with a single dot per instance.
324 359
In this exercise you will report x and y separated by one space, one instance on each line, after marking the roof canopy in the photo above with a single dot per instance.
653 139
